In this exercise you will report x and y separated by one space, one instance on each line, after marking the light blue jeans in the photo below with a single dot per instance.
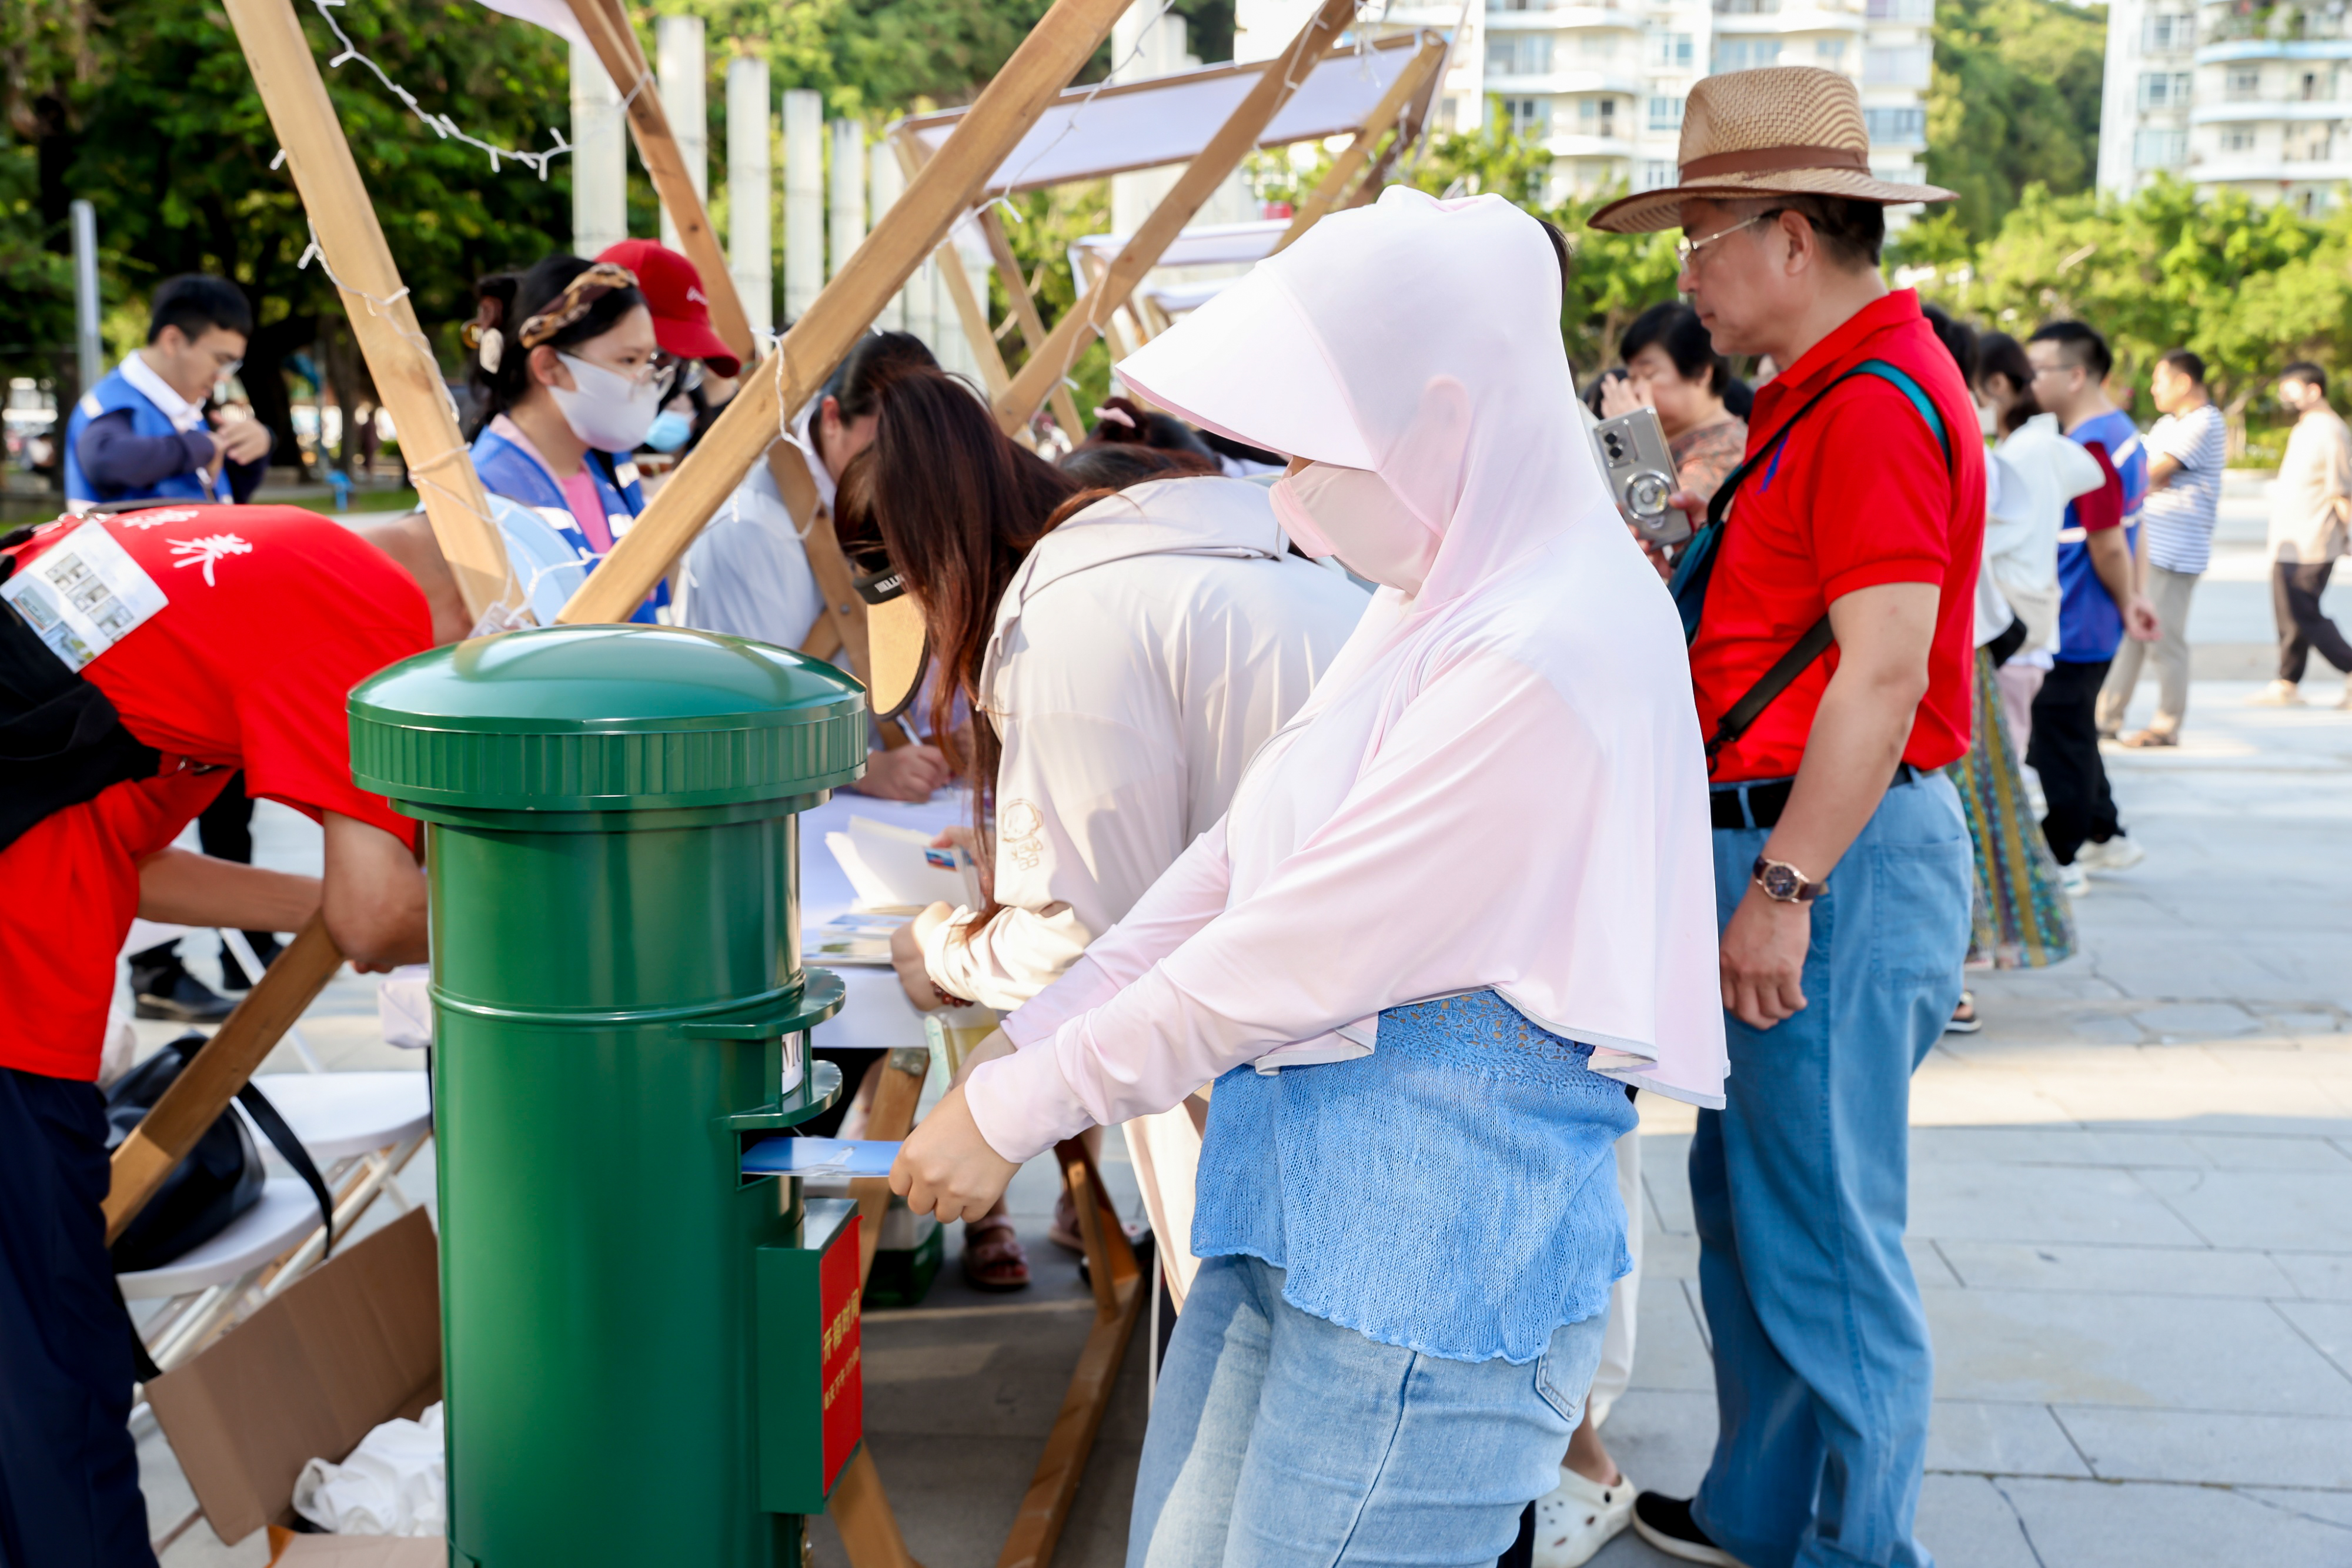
1799 1186
1281 1440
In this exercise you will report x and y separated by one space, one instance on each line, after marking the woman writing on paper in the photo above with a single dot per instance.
1125 634
1458 901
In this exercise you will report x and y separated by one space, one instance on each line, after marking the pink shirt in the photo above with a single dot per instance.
588 509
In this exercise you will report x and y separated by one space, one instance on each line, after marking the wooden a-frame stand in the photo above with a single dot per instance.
400 361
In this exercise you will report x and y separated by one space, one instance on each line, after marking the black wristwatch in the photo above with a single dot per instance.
1784 884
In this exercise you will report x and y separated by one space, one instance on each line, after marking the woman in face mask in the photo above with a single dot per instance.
568 380
1125 633
1458 901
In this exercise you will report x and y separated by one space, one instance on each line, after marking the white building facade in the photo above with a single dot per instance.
2229 96
1602 82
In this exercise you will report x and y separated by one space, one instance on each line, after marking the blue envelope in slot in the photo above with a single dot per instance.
838 1158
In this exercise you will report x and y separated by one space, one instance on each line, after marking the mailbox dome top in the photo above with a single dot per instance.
573 718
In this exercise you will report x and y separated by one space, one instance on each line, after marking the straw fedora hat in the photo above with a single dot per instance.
1778 130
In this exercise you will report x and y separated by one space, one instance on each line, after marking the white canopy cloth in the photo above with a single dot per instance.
1211 245
1091 134
1498 784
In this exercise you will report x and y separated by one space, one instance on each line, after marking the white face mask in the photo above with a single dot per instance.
1351 513
608 411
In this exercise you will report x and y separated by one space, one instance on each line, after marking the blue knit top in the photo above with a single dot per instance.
1453 1193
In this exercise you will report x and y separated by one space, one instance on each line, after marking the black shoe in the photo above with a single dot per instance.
1665 1524
177 994
265 947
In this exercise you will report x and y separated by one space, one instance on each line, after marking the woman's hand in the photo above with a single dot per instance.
907 957
909 773
1619 394
962 838
946 1167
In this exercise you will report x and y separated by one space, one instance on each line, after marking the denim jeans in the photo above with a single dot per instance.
1281 1440
1799 1188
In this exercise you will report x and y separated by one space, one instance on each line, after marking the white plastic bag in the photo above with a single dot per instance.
393 1483
403 1005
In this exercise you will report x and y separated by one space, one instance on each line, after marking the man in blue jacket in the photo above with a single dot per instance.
143 435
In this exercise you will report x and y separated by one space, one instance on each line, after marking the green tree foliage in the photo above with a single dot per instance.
2014 99
2249 287
147 109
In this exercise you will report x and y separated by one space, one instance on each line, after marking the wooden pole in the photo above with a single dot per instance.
1389 111
971 304
606 22
973 315
399 356
196 1101
1025 312
1050 361
1118 1286
1063 41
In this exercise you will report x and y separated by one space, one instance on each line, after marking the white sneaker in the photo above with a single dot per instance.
2074 879
2278 694
1578 1517
2118 854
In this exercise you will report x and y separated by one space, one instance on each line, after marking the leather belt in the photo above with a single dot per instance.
1742 807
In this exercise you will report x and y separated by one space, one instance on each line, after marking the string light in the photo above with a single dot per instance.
441 125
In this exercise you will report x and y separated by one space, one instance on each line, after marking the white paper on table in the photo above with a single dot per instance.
897 868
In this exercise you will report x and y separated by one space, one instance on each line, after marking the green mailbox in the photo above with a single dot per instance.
649 1357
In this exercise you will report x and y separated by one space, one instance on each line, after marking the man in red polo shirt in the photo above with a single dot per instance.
1841 858
218 638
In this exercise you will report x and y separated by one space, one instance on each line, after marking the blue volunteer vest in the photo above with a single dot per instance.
113 395
507 470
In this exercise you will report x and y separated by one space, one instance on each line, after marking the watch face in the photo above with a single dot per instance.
1780 881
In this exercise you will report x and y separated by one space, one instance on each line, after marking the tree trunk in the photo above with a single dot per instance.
53 158
347 378
264 377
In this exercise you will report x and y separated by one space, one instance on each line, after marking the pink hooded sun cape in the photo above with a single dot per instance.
1499 782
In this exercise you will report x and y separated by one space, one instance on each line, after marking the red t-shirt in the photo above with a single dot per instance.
275 613
1860 494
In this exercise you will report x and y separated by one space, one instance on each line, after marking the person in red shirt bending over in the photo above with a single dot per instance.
1830 662
144 658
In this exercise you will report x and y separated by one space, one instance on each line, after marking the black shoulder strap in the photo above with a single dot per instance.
1817 638
281 1137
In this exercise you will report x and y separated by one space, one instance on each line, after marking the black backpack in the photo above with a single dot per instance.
62 742
220 1179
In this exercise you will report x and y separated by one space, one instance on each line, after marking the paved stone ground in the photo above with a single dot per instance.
2131 1212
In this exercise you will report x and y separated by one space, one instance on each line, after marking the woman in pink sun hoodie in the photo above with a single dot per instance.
1457 904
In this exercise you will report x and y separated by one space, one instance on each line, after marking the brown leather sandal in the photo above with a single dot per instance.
992 1256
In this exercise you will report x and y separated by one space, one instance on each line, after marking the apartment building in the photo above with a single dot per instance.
1602 82
2229 95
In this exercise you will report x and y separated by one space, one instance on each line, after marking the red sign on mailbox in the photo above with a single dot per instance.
812 1383
840 1363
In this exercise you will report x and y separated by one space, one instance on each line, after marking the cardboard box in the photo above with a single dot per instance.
351 1346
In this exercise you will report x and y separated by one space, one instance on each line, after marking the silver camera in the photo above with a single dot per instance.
1639 473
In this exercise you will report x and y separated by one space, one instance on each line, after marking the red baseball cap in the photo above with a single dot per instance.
673 291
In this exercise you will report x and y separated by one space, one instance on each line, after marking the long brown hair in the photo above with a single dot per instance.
957 506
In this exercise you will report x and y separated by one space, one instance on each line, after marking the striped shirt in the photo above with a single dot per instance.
2180 517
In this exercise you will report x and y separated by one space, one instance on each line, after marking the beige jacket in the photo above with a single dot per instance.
2306 527
1143 651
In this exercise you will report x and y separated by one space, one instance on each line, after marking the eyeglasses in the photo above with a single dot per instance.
676 376
1687 250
